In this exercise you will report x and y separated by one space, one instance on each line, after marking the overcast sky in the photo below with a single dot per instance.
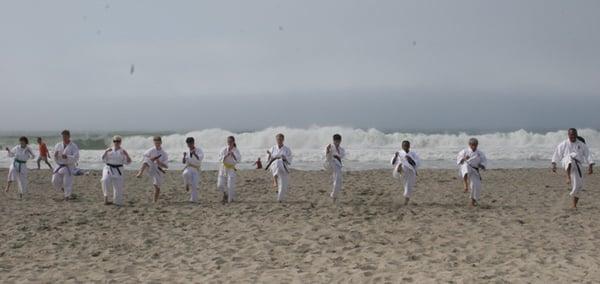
251 64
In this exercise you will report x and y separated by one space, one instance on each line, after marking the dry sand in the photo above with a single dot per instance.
523 231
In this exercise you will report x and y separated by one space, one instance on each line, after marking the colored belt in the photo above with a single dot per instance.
113 166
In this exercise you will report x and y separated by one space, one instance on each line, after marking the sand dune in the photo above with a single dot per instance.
523 231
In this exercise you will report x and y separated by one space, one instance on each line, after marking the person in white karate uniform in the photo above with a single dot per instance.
470 162
406 164
156 161
66 156
18 168
279 162
573 154
229 157
192 160
334 154
113 177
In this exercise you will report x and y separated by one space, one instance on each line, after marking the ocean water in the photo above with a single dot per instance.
366 148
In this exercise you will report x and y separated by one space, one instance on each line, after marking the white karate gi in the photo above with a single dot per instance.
153 170
65 169
405 171
575 154
280 168
191 171
227 171
471 167
18 168
113 174
335 166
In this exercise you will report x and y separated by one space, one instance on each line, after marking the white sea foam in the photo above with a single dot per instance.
366 148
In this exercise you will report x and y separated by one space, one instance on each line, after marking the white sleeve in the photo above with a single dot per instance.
460 156
12 152
558 154
164 158
74 157
417 159
482 160
200 154
237 155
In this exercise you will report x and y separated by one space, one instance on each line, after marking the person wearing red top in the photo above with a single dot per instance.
43 153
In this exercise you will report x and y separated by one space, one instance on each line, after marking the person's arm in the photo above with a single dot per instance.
236 155
163 161
483 161
395 158
557 156
184 159
460 158
288 156
127 158
105 154
73 157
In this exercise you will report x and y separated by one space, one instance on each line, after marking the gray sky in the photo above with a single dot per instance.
251 64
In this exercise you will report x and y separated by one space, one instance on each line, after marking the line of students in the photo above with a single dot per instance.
572 153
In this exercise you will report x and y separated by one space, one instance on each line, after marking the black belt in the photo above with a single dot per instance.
113 166
19 163
60 166
578 167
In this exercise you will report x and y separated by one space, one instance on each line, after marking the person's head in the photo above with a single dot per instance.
406 146
572 133
66 136
39 140
117 140
190 142
337 139
231 141
473 143
279 138
157 141
23 141
258 159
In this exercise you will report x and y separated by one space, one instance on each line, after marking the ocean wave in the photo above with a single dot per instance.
363 145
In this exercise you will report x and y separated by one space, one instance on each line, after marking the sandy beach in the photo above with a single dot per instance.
523 231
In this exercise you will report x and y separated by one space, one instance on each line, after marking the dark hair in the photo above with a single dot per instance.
189 140
24 139
156 138
405 142
39 138
337 137
233 139
473 141
66 132
280 135
573 129
581 139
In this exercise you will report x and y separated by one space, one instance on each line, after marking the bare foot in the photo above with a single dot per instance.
406 201
466 189
138 175
6 189
187 188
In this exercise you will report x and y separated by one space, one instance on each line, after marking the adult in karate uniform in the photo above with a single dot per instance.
66 156
113 173
334 154
229 157
406 163
470 162
192 160
573 154
156 161
18 168
280 160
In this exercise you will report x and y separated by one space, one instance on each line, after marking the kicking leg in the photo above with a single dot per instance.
142 170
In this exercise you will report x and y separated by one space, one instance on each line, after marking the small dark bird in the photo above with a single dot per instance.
132 69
